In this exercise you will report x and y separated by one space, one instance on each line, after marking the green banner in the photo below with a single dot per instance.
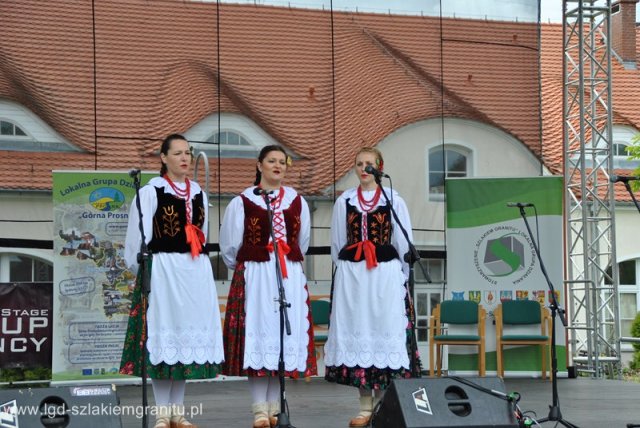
492 257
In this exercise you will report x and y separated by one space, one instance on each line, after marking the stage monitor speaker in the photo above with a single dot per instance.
443 402
95 406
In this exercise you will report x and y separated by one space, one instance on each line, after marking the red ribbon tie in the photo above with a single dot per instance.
283 249
369 249
195 238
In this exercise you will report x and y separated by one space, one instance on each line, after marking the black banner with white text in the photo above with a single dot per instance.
25 325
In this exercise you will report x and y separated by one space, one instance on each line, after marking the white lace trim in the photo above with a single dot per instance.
186 347
381 349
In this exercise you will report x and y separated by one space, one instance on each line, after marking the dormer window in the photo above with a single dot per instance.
234 135
230 138
22 130
232 144
10 129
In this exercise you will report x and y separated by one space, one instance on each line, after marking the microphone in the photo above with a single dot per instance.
375 172
519 204
623 179
134 172
258 191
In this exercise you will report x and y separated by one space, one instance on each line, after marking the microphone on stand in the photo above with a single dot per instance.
375 172
623 179
519 204
134 172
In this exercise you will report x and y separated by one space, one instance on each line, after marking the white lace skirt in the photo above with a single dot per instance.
262 329
183 319
368 317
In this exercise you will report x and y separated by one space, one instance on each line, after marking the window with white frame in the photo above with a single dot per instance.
427 296
628 289
232 144
10 129
620 149
231 140
22 130
446 162
230 135
622 136
24 268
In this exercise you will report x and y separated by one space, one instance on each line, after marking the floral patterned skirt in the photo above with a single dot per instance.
373 377
234 331
134 348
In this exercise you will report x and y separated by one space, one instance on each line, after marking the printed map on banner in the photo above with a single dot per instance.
92 285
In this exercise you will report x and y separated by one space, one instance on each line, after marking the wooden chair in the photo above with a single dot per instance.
320 310
320 318
456 312
320 315
513 313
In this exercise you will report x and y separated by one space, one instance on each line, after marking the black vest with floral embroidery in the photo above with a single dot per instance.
379 230
169 221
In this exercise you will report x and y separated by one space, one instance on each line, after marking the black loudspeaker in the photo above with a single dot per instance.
443 402
61 407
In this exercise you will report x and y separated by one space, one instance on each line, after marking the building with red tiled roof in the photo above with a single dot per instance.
96 86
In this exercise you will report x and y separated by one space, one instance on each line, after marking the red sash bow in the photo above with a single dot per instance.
283 249
369 251
195 238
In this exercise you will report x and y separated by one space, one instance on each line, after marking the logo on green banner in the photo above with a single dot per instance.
504 251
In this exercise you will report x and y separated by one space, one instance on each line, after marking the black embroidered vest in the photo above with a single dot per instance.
169 221
379 229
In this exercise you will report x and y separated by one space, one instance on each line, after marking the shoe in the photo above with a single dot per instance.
274 411
361 420
181 422
261 422
260 415
163 422
366 410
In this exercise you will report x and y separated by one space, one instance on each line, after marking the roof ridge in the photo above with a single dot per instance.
424 78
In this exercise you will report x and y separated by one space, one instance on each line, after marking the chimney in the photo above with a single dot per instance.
623 30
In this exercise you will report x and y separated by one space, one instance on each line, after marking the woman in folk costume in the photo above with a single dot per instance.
368 339
252 320
184 339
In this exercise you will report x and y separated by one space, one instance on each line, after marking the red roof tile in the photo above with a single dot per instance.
156 69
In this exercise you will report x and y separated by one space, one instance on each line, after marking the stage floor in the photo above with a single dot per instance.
587 403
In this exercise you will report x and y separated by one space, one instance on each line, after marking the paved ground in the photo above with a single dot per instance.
586 403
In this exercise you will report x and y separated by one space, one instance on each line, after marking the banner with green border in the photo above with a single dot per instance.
91 282
491 258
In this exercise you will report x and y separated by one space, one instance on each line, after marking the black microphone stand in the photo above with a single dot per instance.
635 201
633 197
555 415
145 282
411 257
283 416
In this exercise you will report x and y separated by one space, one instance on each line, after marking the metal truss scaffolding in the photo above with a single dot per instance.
592 285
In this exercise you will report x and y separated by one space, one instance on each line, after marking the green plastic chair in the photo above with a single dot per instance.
458 312
320 315
519 313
